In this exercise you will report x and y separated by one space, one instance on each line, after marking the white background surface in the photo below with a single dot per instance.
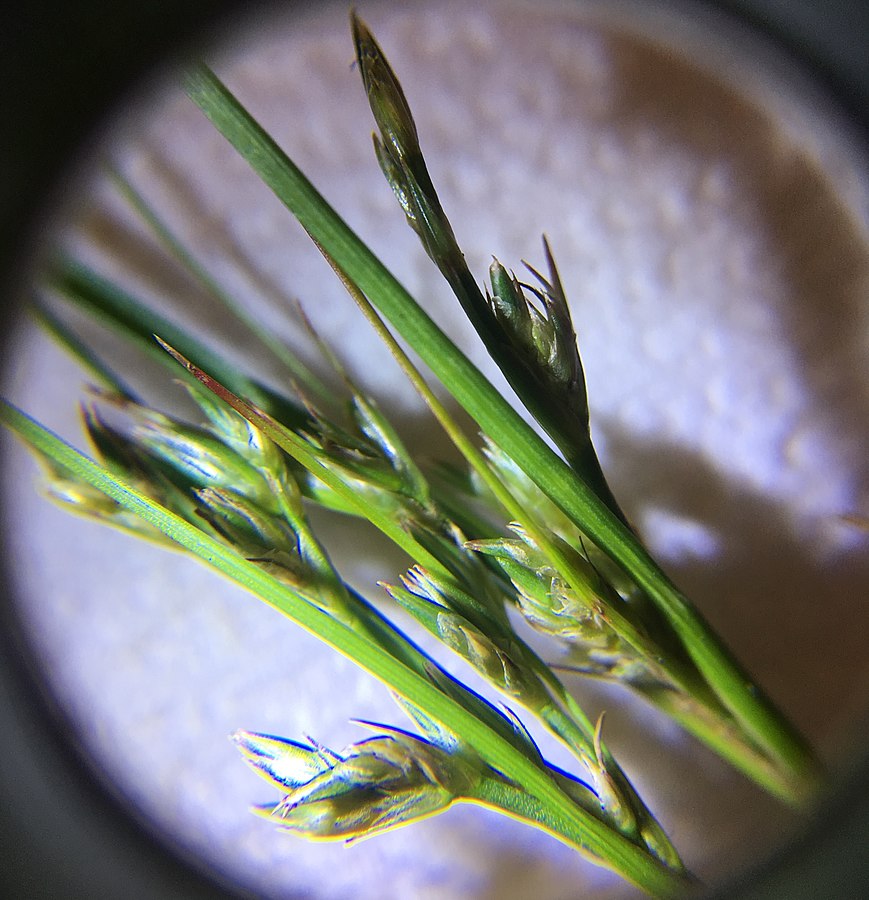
710 229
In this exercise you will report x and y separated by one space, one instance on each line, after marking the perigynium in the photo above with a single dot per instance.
526 532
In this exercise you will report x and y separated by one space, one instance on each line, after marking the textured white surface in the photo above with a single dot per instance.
712 237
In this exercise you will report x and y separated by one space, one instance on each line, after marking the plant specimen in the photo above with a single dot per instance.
523 528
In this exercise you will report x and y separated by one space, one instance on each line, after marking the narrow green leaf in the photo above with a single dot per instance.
87 358
118 309
176 246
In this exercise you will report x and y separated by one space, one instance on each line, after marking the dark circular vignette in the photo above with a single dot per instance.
63 68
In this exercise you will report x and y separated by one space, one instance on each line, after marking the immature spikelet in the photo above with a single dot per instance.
539 508
399 154
542 338
547 601
77 496
467 627
553 606
370 456
125 459
389 780
224 476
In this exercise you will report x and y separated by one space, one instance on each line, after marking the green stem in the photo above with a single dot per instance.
749 706
494 793
731 747
564 718
684 676
572 824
